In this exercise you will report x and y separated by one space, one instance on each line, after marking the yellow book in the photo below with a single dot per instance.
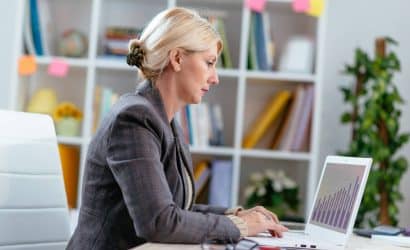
284 123
201 176
266 118
199 168
70 159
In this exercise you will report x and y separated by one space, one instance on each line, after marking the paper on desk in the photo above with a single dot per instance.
401 241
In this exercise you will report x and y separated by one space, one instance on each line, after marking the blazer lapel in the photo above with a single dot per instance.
186 156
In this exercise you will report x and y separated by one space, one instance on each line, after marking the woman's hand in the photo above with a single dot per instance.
259 219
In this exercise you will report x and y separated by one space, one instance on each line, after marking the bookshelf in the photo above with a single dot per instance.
241 92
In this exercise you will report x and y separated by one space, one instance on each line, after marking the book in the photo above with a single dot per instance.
70 159
270 47
203 124
283 123
266 118
252 58
96 107
184 125
296 112
46 26
35 27
202 174
189 124
28 35
226 54
304 120
220 183
217 125
260 39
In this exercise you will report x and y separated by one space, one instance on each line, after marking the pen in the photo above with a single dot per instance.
269 248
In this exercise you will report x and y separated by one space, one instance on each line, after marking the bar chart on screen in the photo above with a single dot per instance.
337 194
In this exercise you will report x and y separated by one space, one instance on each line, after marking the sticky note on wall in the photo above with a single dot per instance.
256 5
300 5
27 65
58 68
316 7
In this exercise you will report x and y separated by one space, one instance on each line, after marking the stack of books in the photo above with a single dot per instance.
117 39
289 114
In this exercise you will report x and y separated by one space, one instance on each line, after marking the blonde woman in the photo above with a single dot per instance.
138 184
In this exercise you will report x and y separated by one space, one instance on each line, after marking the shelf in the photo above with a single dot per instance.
297 77
113 63
212 150
272 154
228 72
241 94
74 62
70 140
120 63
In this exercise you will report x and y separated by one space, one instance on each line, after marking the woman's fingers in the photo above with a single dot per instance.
276 230
267 213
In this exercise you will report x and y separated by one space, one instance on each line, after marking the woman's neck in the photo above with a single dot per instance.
167 87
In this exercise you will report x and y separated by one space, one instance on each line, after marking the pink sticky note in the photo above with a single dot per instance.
58 68
300 5
256 5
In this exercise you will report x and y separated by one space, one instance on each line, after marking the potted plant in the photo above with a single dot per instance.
67 118
273 190
374 116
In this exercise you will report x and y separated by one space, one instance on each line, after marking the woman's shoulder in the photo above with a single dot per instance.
134 105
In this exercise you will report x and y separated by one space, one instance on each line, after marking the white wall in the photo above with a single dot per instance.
8 20
351 24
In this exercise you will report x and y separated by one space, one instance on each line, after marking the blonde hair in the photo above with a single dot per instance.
173 28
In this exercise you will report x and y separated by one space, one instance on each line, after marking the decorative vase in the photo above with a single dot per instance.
68 126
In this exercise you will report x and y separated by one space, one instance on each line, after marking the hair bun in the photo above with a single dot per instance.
136 53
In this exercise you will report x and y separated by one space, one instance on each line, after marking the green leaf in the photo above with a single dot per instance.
346 117
392 125
390 40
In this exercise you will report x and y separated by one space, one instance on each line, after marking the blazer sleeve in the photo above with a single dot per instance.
133 155
203 208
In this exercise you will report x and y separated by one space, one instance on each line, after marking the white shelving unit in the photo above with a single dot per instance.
241 93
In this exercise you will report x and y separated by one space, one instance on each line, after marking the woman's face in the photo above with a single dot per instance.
197 74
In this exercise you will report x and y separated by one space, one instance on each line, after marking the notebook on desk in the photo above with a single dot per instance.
334 209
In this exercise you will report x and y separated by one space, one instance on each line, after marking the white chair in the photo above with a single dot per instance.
33 204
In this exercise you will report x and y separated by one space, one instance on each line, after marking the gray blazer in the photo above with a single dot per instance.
134 189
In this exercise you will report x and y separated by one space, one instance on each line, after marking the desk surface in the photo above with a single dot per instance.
354 243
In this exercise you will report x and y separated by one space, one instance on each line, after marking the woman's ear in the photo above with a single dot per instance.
175 59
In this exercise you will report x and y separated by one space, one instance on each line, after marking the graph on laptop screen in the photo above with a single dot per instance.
336 197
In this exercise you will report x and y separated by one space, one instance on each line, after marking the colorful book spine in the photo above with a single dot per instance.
304 120
35 27
266 118
220 184
261 53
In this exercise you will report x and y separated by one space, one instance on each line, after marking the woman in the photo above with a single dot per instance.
138 183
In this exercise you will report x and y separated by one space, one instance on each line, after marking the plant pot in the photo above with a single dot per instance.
68 126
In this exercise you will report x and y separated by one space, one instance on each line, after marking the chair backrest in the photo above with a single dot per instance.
33 204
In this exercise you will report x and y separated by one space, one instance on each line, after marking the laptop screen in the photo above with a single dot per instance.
335 200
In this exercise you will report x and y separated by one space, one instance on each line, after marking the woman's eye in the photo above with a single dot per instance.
210 63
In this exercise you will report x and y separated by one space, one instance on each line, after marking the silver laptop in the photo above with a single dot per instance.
333 212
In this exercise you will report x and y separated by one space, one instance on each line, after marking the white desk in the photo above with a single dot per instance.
354 243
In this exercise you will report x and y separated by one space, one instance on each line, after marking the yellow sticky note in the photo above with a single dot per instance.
27 65
316 7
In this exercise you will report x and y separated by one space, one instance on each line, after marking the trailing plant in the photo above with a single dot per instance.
374 116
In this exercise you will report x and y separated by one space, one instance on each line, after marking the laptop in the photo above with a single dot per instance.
334 209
